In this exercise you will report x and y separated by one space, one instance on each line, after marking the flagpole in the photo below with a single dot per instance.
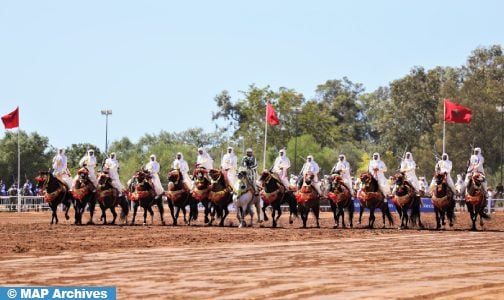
265 137
19 173
444 125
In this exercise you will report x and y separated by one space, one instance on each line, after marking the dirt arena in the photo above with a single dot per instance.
199 262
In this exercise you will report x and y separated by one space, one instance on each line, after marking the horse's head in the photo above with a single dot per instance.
83 174
399 178
439 177
365 178
308 177
174 176
264 175
242 180
199 173
104 180
43 179
478 179
215 174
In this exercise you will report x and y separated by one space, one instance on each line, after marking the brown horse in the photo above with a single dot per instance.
142 193
340 197
274 194
308 199
476 199
201 190
179 197
83 192
372 198
405 199
220 196
54 192
108 198
443 200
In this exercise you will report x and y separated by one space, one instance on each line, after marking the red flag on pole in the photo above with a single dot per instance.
11 120
455 113
271 116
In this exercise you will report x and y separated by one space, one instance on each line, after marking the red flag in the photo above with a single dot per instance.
455 113
11 120
271 116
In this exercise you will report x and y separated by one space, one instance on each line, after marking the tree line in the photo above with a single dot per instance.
406 115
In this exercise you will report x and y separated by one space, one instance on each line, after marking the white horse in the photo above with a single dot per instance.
244 198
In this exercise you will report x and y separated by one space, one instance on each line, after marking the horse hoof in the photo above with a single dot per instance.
291 222
451 224
144 224
163 223
335 226
260 221
67 217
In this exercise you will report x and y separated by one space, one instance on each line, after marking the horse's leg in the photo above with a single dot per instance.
264 213
258 209
334 209
103 216
239 215
371 218
472 214
212 214
223 213
206 205
273 213
184 213
114 215
279 208
304 215
438 217
151 213
54 217
160 206
351 209
135 209
76 212
316 212
92 206
360 213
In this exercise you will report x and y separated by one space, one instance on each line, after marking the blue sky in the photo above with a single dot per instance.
159 64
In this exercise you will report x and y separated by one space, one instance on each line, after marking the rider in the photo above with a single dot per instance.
250 163
204 159
408 166
229 165
313 167
3 192
89 162
281 167
444 166
60 169
153 167
343 167
180 164
28 187
378 168
476 165
112 168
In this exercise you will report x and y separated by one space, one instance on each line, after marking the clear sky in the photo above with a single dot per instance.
159 64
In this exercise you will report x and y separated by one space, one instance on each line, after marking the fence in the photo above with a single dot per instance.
37 203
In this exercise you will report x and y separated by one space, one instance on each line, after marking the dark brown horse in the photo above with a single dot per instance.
308 199
201 190
220 196
372 198
83 192
443 200
108 198
179 196
405 199
54 192
142 193
476 199
340 198
274 194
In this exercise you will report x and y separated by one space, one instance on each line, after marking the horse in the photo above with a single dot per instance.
476 199
274 193
200 191
308 199
340 197
83 192
443 200
108 198
220 196
244 198
55 192
405 199
179 196
142 193
372 198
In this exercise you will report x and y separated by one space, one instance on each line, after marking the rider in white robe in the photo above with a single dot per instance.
180 164
153 167
444 165
408 166
229 164
89 161
111 166
61 169
311 166
378 168
281 167
204 159
476 165
343 167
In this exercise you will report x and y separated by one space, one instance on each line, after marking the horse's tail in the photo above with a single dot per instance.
388 214
124 207
291 201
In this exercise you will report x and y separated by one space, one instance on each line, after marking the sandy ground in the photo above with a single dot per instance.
199 262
